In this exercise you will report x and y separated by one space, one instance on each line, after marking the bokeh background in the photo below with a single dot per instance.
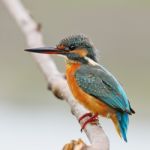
31 118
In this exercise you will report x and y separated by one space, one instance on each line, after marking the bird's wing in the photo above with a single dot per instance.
100 83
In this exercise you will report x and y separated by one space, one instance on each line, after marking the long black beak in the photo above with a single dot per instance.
46 50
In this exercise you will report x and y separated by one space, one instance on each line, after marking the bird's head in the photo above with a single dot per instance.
75 48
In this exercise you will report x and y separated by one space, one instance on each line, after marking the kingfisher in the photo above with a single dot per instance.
91 84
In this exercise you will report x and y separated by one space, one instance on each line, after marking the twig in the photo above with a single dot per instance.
31 30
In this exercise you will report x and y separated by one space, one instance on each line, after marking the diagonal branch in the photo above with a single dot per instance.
31 30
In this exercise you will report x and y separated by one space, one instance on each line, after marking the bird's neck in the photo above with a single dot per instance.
72 66
73 63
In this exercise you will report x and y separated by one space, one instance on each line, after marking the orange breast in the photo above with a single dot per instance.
90 102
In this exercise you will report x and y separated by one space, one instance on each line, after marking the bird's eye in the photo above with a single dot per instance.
72 47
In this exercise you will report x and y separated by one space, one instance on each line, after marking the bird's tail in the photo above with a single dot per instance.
121 121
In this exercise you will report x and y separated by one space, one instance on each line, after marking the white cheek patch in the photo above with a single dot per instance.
91 62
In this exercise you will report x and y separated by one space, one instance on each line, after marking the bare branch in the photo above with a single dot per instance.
31 30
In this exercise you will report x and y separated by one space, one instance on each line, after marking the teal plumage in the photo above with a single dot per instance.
100 83
123 119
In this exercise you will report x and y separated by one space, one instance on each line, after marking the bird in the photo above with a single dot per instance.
92 85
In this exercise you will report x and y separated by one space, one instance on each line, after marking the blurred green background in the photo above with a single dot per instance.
31 118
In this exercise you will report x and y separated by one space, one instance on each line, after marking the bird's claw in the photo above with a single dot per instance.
93 120
85 115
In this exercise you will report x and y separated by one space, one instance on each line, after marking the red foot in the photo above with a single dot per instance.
85 115
93 119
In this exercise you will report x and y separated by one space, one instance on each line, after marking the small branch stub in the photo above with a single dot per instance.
75 145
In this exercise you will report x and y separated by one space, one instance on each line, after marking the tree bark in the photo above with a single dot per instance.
31 30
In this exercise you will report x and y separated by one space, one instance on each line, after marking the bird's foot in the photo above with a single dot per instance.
85 115
93 120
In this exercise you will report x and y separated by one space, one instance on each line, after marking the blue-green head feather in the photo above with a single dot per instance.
79 42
